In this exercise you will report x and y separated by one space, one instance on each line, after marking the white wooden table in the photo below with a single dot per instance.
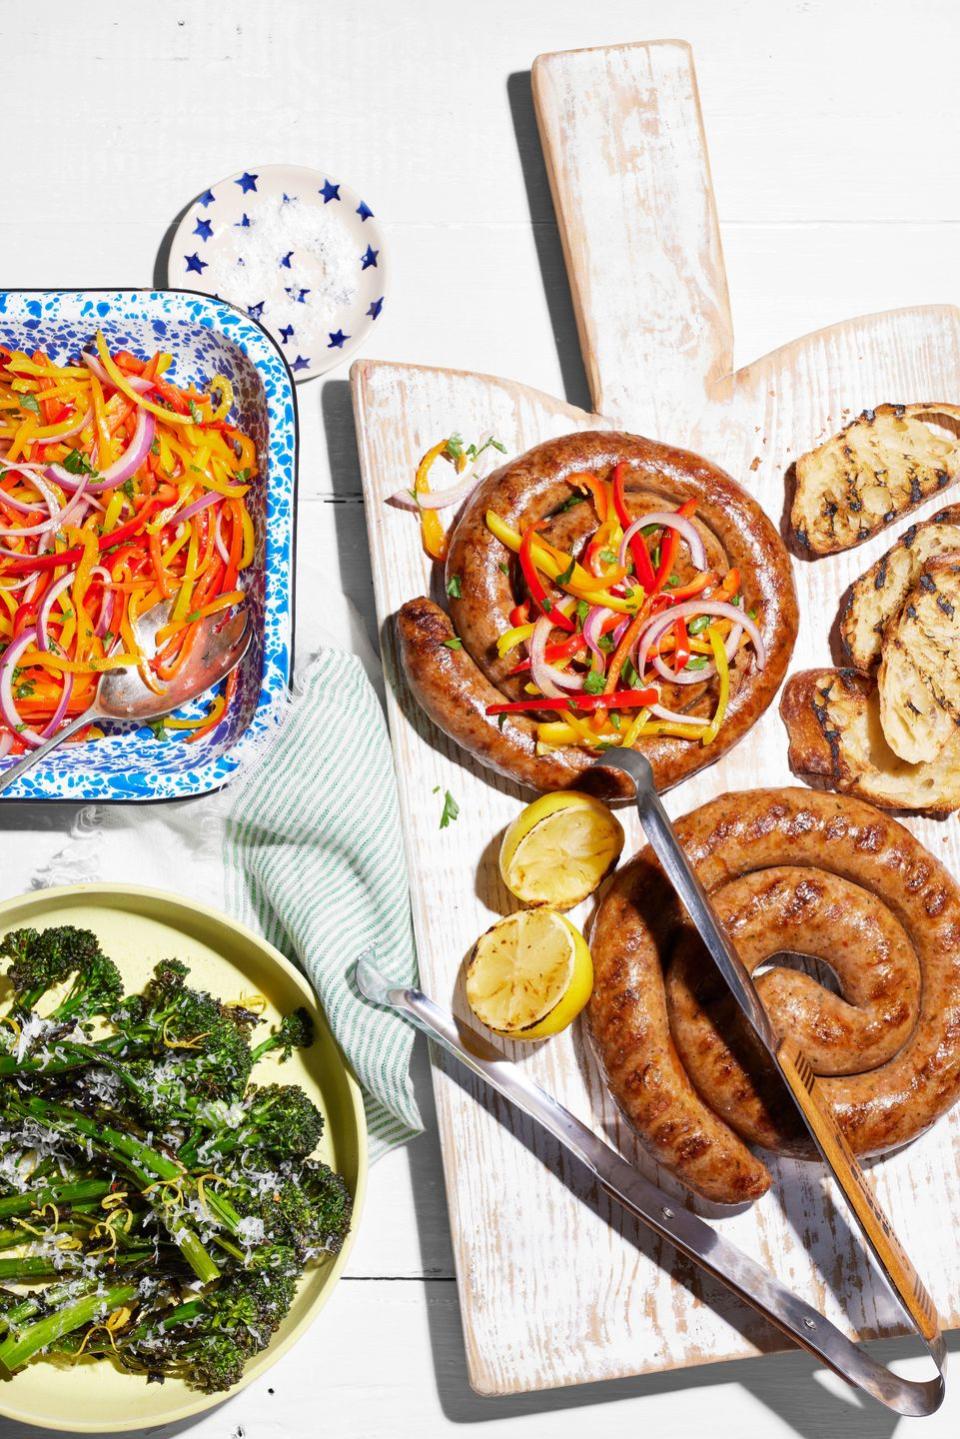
828 121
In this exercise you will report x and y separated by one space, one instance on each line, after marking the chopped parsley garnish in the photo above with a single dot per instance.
127 488
582 610
453 587
609 557
699 662
649 530
29 402
501 721
195 414
605 642
567 575
503 567
615 720
455 643
451 809
569 504
629 674
77 464
593 683
699 624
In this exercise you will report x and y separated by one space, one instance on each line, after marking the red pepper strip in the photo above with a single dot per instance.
171 396
642 567
695 587
620 699
520 615
537 593
573 645
584 481
125 361
682 651
669 545
71 557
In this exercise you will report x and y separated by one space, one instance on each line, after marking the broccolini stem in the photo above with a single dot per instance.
80 1190
15 1351
30 1267
145 1164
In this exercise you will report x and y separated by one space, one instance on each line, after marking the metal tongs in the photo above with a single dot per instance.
689 1234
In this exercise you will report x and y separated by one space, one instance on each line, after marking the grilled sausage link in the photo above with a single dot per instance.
821 875
454 687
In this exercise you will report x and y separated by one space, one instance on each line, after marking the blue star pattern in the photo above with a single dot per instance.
285 262
368 258
204 229
243 223
329 192
207 198
195 266
247 182
364 211
208 338
288 199
375 308
337 339
255 311
300 363
300 296
287 332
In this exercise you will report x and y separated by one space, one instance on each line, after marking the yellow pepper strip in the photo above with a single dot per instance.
124 386
581 584
635 728
223 602
723 673
21 364
112 514
249 539
511 638
22 437
97 663
182 603
222 384
556 733
431 528
90 557
216 710
668 727
105 455
223 487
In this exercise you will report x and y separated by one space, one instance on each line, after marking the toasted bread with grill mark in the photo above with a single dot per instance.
919 676
879 595
837 742
879 466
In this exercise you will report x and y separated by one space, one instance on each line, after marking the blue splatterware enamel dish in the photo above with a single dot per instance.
205 337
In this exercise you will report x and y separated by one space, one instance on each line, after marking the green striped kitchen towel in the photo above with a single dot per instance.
314 859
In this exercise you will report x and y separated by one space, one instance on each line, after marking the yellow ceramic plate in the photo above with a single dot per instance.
137 927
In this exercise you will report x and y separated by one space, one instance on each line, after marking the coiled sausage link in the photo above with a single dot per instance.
535 488
820 875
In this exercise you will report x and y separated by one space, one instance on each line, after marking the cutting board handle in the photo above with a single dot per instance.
623 138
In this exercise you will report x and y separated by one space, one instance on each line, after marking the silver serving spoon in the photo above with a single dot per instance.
123 695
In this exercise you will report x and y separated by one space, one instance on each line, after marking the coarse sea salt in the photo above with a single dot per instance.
286 256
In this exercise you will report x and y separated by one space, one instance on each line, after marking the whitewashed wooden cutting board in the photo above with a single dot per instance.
557 1286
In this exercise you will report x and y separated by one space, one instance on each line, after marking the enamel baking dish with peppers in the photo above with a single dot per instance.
147 453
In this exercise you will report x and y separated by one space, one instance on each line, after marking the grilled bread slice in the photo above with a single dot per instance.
880 466
837 742
879 595
919 676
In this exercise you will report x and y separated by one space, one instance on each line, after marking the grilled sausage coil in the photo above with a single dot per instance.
822 875
455 686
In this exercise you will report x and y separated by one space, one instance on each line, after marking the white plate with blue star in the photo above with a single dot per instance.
294 248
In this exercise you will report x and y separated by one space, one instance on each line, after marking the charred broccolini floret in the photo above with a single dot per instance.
171 1203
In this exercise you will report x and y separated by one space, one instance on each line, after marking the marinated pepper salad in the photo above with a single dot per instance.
118 489
597 637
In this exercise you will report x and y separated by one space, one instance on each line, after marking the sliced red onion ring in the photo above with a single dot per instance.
8 708
43 618
136 382
667 519
689 608
551 682
210 498
6 743
68 434
218 539
451 495
107 600
61 709
675 717
682 677
121 469
56 518
591 631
